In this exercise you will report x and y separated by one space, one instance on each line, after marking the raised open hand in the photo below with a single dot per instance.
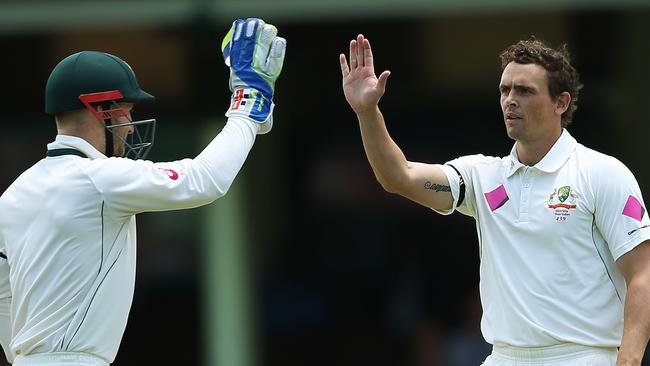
361 87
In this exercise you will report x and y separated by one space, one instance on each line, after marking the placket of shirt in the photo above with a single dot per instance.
527 176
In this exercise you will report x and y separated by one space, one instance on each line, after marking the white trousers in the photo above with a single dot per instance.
560 355
60 359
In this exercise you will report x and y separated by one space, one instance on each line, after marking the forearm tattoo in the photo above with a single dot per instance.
437 187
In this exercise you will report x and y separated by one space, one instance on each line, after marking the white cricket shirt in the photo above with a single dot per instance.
68 231
549 235
5 307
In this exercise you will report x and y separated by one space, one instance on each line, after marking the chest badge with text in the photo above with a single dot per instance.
562 201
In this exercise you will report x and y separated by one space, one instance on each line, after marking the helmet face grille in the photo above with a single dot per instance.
137 145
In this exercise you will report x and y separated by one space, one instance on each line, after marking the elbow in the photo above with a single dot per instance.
211 184
219 191
390 185
205 195
394 179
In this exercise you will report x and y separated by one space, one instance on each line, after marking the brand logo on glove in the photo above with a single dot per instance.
240 98
245 99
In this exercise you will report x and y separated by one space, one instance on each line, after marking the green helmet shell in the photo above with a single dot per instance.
88 72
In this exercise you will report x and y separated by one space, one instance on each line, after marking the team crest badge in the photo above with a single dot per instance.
563 193
562 201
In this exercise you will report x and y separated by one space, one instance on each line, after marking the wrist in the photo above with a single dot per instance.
369 113
622 360
244 122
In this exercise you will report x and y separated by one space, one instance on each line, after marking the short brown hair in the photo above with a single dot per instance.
562 76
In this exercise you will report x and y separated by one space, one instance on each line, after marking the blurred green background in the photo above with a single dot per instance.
307 261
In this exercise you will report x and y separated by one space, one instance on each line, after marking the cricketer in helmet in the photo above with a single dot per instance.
90 88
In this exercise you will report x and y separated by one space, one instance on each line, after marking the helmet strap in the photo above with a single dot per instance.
109 138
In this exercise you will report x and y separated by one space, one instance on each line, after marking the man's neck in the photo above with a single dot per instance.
92 138
82 124
532 152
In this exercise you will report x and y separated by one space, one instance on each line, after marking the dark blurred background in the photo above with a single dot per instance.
307 261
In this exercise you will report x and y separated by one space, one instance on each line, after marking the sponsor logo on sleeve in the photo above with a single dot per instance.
637 229
171 173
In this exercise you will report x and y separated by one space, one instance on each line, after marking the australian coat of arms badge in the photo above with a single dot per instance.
562 201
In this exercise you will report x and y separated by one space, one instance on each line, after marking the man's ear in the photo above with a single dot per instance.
562 102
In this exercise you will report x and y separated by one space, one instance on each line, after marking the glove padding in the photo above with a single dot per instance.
255 56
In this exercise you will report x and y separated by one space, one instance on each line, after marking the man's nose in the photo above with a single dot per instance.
510 100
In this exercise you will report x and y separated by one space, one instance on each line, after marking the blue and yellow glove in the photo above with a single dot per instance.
255 55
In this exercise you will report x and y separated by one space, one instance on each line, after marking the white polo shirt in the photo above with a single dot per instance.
549 236
68 231
5 307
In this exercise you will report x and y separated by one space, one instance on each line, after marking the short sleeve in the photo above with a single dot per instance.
454 183
5 289
619 209
5 309
460 177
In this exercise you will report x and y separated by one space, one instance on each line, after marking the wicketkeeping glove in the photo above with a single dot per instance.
255 54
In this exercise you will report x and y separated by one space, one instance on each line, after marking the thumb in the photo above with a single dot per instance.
383 79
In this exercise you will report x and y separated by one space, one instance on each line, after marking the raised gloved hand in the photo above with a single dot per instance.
255 54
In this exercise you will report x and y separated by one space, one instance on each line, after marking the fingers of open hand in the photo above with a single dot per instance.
360 53
353 54
383 78
367 53
360 50
345 70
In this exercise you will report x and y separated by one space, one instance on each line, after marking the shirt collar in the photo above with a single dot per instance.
552 161
77 143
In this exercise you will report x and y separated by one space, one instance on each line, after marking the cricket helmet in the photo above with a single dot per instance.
88 72
89 79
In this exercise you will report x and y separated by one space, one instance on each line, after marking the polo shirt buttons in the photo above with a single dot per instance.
524 194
